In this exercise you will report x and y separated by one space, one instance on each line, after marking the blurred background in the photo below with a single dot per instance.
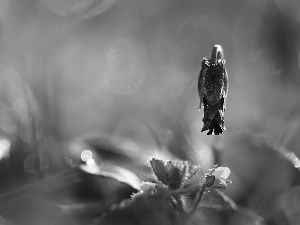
99 86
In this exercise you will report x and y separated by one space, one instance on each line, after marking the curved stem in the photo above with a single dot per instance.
184 191
217 53
198 200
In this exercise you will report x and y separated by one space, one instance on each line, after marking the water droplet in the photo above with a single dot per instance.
90 162
4 148
86 155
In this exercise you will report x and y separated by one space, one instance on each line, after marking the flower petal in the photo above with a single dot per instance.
221 172
159 167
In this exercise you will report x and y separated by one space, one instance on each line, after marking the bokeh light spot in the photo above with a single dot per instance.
86 155
90 162
4 148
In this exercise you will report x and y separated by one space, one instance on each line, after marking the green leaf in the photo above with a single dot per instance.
172 173
159 167
176 174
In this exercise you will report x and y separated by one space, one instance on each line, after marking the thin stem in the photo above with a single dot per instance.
183 191
191 189
179 203
198 200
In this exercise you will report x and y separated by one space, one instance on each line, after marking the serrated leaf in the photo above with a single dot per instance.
159 167
175 178
176 174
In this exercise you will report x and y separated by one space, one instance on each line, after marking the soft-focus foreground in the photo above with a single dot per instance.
92 90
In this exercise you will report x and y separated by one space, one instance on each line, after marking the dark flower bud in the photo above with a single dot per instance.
210 180
213 88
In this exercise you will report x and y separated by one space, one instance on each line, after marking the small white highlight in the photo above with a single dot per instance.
86 155
90 162
4 148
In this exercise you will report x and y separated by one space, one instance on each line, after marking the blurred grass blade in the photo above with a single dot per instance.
121 174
